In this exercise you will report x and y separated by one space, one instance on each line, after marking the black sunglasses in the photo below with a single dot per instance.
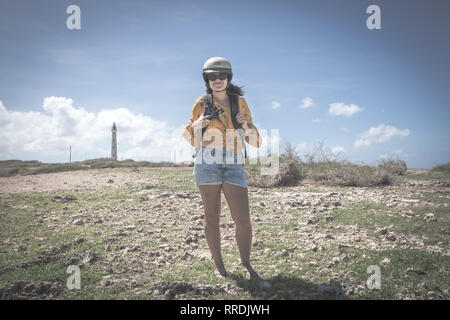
214 76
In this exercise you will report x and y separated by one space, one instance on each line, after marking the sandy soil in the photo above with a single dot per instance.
73 180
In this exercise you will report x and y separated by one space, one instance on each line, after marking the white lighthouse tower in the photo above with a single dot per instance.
114 142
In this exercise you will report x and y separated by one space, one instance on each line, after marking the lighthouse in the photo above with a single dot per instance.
114 142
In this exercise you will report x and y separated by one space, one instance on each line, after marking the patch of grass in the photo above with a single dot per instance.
366 214
426 272
431 195
371 215
442 168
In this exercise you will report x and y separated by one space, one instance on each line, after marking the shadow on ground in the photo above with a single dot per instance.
290 288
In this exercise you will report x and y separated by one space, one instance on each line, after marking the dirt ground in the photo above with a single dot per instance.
72 180
303 235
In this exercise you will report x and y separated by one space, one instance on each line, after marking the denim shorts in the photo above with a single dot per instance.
214 166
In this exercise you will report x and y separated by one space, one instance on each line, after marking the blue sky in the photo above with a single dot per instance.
366 94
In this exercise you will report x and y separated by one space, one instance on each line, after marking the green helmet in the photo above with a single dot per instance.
217 64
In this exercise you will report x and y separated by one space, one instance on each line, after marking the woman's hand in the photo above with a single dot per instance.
242 120
201 122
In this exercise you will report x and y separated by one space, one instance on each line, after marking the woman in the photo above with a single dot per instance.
222 175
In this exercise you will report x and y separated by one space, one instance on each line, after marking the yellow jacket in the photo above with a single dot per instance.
222 124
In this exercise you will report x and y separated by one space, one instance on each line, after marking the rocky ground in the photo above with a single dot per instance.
137 233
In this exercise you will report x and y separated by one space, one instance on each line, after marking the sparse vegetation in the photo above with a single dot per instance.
444 168
322 167
13 167
137 233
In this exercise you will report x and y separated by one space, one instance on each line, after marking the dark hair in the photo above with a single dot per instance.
232 89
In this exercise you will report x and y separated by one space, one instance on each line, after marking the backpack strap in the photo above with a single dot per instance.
234 105
209 107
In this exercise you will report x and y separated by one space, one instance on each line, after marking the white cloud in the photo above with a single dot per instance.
61 125
340 109
382 133
275 105
307 103
316 120
345 129
338 149
395 154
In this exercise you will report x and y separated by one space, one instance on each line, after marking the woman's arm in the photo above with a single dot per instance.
197 111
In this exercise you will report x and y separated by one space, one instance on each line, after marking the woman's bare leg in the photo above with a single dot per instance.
211 203
237 198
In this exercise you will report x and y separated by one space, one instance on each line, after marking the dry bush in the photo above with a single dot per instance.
290 171
322 166
395 167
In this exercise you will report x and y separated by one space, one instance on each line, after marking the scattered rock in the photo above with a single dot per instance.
333 262
429 217
172 290
184 195
227 225
390 237
191 238
445 230
64 199
78 222
312 220
31 290
121 234
197 217
408 214
386 261
89 258
77 241
418 271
